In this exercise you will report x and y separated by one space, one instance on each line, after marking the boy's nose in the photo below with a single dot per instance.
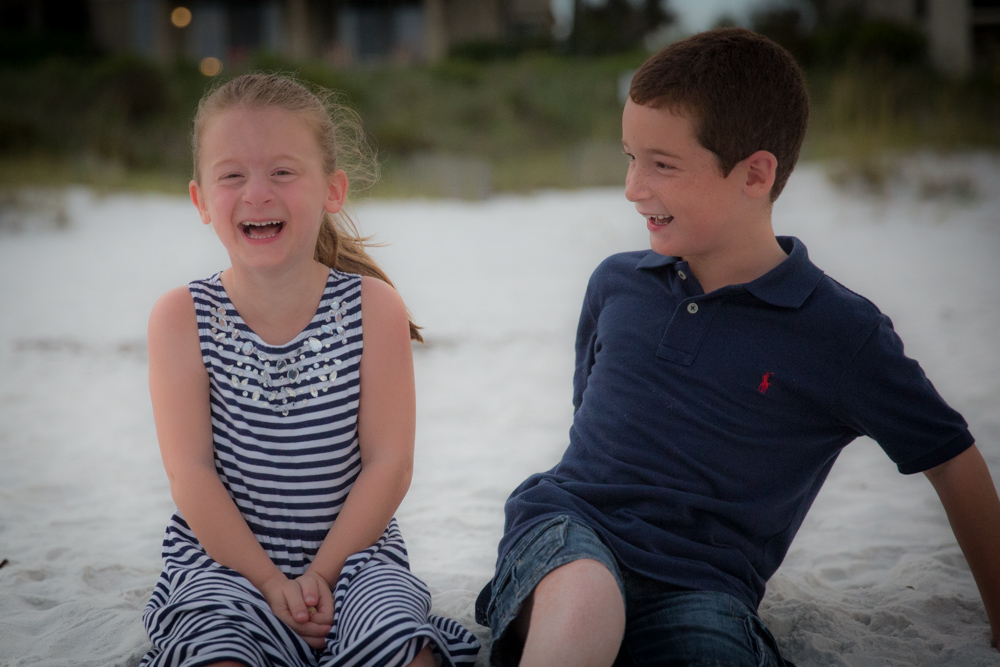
635 187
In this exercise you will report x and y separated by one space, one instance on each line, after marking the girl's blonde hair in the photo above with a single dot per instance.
341 140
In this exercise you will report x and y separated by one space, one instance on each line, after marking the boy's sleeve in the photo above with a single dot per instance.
586 342
886 395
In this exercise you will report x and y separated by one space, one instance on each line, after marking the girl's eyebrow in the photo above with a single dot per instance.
277 158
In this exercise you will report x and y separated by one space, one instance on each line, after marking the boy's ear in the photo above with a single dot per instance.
198 199
336 191
760 170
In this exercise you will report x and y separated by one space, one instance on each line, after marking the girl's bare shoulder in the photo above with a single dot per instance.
381 298
172 319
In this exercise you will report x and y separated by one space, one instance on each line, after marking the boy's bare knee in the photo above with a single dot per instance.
579 582
579 585
574 578
576 616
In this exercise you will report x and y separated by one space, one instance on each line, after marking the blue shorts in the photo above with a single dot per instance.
664 625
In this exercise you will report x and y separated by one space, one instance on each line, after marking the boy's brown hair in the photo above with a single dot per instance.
743 93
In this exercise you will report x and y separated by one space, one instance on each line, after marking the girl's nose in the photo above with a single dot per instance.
257 191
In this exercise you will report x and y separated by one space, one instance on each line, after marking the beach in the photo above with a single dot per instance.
874 577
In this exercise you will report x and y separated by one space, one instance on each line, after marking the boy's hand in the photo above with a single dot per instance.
287 602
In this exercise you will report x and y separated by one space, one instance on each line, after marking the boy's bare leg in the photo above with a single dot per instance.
575 617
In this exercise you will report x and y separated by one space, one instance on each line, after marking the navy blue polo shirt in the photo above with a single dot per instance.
705 424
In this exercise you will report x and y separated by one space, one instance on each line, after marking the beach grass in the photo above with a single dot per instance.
458 128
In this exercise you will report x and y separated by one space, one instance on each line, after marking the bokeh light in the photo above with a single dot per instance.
210 66
181 17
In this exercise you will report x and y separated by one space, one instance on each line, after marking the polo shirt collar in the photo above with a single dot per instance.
787 285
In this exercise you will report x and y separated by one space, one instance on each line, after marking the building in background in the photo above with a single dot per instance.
961 34
340 32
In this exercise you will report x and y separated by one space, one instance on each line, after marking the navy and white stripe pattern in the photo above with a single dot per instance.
284 425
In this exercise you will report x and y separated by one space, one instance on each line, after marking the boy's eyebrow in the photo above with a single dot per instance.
664 153
651 151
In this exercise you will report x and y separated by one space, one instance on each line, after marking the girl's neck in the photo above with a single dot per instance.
276 306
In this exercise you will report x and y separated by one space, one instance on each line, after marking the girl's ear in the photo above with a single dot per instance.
198 199
760 171
336 191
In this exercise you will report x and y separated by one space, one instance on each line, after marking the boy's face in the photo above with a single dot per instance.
691 210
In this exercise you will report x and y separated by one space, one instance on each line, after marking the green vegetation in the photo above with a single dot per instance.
463 127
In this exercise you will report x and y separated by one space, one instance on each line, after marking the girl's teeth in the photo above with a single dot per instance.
253 229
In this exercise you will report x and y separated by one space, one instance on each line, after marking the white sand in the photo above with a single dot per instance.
873 578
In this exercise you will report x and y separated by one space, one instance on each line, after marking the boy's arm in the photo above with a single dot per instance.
586 336
966 490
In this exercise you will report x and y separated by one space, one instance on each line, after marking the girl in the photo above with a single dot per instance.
283 397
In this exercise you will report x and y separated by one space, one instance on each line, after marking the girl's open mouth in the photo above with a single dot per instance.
660 220
261 230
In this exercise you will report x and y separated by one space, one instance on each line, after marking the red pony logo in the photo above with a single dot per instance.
765 383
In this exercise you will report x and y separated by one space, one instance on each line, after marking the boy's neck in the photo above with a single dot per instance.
741 261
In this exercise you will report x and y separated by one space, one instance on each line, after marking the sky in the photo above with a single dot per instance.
693 15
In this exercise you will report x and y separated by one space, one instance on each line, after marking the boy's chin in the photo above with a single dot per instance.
660 248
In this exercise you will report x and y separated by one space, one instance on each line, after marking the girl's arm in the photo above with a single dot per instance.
970 500
178 387
386 424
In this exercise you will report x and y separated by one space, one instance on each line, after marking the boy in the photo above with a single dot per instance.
718 376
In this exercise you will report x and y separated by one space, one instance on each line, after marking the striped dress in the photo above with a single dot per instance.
284 425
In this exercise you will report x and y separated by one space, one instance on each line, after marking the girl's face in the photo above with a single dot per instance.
263 186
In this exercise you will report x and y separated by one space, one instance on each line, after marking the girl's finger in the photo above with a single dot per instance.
310 592
314 630
296 606
315 642
324 608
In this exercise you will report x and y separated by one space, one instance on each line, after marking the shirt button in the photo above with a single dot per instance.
692 308
683 275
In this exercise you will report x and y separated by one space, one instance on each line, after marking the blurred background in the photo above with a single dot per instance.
469 98
467 101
